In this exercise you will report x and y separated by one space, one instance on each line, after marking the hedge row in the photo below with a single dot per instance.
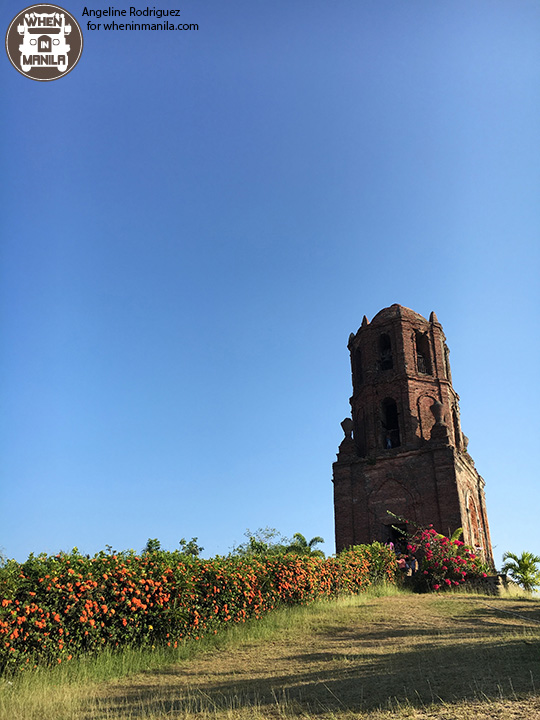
54 608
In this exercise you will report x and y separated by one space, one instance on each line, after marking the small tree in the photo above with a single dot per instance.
152 545
523 569
264 541
301 546
444 562
190 547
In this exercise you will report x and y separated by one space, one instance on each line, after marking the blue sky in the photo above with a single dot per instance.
194 222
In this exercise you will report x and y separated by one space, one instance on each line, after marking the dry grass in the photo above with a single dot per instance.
408 656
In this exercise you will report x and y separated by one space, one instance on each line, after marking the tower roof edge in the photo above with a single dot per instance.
397 311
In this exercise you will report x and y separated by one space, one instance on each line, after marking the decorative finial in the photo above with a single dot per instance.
433 318
365 321
439 432
437 410
351 340
347 427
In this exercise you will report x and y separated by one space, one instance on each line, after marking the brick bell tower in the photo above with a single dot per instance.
403 449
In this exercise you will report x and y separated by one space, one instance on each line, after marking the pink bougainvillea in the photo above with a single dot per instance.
443 562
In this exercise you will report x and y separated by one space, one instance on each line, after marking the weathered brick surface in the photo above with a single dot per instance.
407 453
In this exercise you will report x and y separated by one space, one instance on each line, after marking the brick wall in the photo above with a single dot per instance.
407 453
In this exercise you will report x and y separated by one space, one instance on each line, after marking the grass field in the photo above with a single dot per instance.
393 656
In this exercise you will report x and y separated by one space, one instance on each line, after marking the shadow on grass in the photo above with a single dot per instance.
528 610
350 676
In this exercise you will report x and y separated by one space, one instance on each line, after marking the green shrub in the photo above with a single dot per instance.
56 607
443 562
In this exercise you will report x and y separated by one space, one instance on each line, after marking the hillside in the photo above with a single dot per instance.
405 656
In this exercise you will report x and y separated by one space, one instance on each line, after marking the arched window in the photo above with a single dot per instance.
358 375
360 435
457 431
390 424
475 536
447 362
423 354
386 361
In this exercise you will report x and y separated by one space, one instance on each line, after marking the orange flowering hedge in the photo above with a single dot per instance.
54 608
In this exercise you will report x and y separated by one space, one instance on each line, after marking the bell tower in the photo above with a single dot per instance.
404 450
